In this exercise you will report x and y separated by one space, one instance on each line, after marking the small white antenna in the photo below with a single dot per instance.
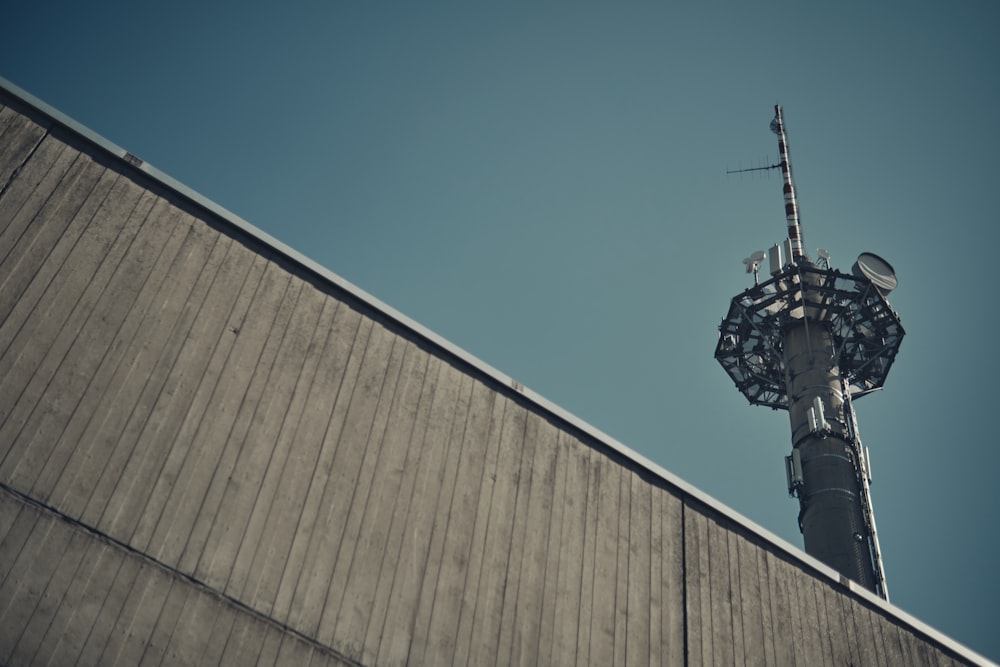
753 264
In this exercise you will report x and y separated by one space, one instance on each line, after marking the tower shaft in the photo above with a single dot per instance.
832 511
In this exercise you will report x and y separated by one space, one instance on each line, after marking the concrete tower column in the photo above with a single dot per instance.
831 514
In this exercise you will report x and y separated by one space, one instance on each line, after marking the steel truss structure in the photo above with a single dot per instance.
865 329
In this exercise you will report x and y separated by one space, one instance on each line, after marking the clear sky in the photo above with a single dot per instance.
544 185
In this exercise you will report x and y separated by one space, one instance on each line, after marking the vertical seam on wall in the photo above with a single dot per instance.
87 319
189 446
628 552
521 486
684 579
293 391
50 625
421 443
45 290
395 559
278 339
374 443
454 446
158 300
737 594
583 563
483 473
559 457
27 158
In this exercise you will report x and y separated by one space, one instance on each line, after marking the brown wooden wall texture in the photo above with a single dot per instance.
211 455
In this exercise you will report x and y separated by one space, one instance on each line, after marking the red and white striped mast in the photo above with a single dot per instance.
788 188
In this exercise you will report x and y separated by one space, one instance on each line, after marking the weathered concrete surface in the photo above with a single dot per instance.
211 454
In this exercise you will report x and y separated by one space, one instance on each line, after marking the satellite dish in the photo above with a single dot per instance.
753 261
877 270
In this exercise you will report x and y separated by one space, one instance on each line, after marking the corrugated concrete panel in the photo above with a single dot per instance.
750 604
211 453
71 596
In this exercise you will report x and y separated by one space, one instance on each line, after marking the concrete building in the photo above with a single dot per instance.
215 452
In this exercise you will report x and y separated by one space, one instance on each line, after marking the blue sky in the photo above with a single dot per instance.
544 185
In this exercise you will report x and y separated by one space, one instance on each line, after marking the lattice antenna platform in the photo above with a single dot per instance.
866 332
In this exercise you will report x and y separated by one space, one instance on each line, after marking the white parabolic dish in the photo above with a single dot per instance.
877 270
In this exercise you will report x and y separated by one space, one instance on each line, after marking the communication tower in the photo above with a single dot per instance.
811 340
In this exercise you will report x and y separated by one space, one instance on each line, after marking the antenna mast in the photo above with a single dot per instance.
810 340
788 187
